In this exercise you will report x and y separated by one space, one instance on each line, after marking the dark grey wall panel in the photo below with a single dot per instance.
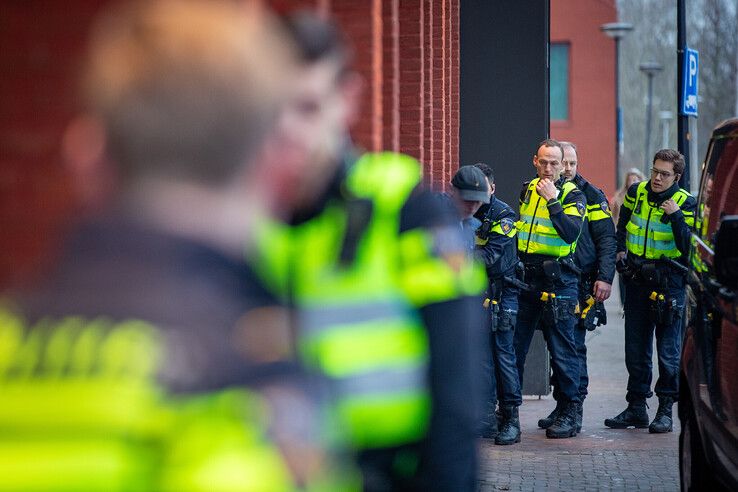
504 109
504 87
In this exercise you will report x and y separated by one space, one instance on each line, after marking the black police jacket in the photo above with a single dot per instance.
595 253
495 248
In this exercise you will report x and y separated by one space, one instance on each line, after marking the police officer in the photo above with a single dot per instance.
470 190
124 369
595 257
552 211
377 272
497 249
653 236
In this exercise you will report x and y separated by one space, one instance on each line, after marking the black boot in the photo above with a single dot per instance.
633 416
489 426
548 421
510 426
580 414
662 422
565 424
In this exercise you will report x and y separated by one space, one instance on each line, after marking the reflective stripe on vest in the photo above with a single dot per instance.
536 233
595 212
646 235
82 411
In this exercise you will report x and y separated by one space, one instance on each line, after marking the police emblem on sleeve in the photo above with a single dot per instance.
581 207
507 225
605 207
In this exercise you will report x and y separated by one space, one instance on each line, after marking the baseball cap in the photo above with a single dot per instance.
471 184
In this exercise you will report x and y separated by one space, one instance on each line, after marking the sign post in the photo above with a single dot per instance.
686 87
690 83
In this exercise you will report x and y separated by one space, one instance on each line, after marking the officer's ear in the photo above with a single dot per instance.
83 149
352 90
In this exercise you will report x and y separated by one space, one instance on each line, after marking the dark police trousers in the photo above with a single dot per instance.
639 332
559 333
503 370
580 333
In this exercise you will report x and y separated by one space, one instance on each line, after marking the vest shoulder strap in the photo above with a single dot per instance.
387 178
681 196
566 188
641 192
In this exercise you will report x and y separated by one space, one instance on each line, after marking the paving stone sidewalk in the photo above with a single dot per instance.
599 458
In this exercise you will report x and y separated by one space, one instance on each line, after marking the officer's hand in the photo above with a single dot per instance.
620 256
601 291
669 206
547 189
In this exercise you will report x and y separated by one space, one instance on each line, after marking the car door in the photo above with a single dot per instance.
718 336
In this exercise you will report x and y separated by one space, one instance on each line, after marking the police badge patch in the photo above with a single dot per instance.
605 207
581 208
507 225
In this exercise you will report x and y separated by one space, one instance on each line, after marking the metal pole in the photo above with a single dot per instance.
646 155
694 168
617 31
683 136
618 115
665 116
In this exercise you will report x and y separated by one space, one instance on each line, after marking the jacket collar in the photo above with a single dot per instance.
664 195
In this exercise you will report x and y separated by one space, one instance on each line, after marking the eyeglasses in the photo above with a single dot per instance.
659 172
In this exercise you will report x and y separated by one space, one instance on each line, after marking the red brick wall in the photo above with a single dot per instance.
40 50
407 50
591 123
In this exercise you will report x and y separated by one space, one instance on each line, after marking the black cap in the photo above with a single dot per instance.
471 184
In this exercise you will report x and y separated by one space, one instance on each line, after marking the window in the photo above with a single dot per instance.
559 82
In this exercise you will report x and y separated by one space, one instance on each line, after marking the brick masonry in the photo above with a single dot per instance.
41 45
407 50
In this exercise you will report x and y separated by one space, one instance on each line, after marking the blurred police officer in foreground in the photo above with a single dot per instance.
653 236
386 301
595 257
125 369
497 249
552 211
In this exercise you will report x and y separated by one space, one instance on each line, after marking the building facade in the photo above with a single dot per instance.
407 50
582 82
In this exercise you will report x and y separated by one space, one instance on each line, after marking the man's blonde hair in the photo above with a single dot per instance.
186 89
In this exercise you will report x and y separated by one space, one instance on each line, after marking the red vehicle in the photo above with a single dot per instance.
708 402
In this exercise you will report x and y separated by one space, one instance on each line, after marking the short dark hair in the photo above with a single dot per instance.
673 156
550 142
317 39
486 170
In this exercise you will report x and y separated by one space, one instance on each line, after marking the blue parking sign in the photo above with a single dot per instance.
690 78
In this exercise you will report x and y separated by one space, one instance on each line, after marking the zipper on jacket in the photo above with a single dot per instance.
532 223
648 221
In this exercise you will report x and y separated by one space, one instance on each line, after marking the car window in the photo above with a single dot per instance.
715 198
707 184
725 201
